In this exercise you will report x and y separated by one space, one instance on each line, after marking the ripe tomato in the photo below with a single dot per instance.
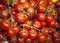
21 17
19 8
35 41
10 33
49 19
24 33
5 14
58 19
57 4
43 24
45 31
20 40
58 11
1 7
28 40
22 1
5 24
36 24
12 39
41 38
40 17
16 29
33 34
41 8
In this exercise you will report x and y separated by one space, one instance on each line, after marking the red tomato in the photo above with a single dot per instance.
24 33
16 29
10 33
43 24
5 14
5 24
58 19
22 1
20 40
57 3
49 19
34 41
1 7
58 11
41 8
28 40
40 17
33 34
36 24
41 38
21 17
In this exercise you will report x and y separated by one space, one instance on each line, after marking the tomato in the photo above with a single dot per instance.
13 13
1 36
5 14
36 24
28 40
22 1
24 33
16 28
40 17
0 21
43 24
41 8
19 8
1 7
58 19
45 31
41 38
33 34
21 17
42 2
10 33
49 19
33 3
35 41
20 40
12 39
5 24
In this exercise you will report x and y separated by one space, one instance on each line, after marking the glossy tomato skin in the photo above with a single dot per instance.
36 24
24 33
40 17
10 33
1 36
28 40
43 24
57 4
58 19
5 24
33 34
16 29
41 38
20 40
40 8
1 7
21 18
49 19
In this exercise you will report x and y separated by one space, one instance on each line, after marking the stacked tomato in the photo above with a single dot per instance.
30 21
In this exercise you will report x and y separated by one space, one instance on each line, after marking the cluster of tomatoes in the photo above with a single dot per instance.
30 21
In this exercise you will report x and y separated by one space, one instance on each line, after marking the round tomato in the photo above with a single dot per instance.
28 40
40 17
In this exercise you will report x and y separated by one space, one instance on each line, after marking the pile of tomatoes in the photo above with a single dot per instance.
30 21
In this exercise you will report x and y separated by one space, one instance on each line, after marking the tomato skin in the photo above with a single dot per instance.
21 18
10 33
36 24
16 29
43 24
58 11
5 24
57 4
40 8
42 38
33 34
28 40
1 7
40 17
24 33
49 19
20 40
58 19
